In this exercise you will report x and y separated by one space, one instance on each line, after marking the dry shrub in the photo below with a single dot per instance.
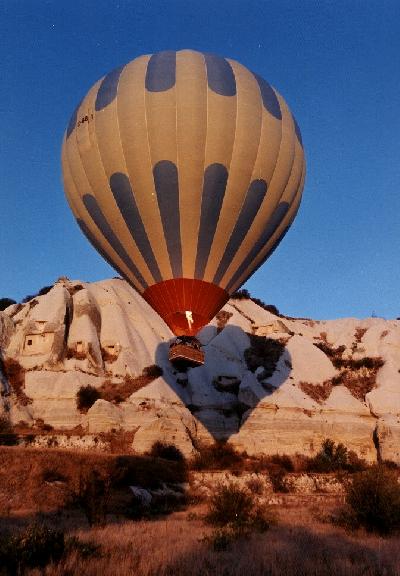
119 392
86 397
373 500
230 504
236 513
242 294
359 333
96 483
6 302
148 472
166 451
35 547
222 319
217 456
15 375
318 392
278 466
7 433
154 371
329 350
263 352
358 375
335 457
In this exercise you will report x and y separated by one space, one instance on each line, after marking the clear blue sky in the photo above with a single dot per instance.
336 63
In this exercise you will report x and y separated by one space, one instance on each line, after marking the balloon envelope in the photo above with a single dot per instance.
184 170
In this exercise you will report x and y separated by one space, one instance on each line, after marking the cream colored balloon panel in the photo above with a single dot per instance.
244 154
269 240
250 215
264 204
89 228
90 182
191 121
132 124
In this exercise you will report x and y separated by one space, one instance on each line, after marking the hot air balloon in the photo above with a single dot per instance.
184 170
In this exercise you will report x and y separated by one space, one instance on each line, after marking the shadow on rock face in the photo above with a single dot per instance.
240 370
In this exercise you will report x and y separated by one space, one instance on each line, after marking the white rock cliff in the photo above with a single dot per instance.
269 384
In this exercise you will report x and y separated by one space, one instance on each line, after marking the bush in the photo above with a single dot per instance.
6 302
218 456
263 352
244 294
335 457
93 494
86 397
166 451
148 472
7 435
34 548
152 371
373 500
235 513
41 292
278 466
230 504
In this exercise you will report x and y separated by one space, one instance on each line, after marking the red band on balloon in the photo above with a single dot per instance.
185 304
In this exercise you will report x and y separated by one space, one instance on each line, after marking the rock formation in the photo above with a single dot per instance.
269 384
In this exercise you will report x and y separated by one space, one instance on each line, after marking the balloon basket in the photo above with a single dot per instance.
186 353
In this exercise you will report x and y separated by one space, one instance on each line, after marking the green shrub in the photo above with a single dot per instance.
373 500
335 457
166 451
86 397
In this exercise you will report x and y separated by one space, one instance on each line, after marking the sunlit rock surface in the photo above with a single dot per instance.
104 334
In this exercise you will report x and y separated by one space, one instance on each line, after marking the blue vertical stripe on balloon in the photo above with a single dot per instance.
108 89
214 185
254 198
161 71
220 76
166 182
123 194
269 98
100 220
73 120
273 224
92 239
297 130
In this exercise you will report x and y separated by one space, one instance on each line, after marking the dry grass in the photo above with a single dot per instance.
39 480
303 542
298 545
318 392
119 392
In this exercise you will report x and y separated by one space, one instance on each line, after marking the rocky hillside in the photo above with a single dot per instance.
269 384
